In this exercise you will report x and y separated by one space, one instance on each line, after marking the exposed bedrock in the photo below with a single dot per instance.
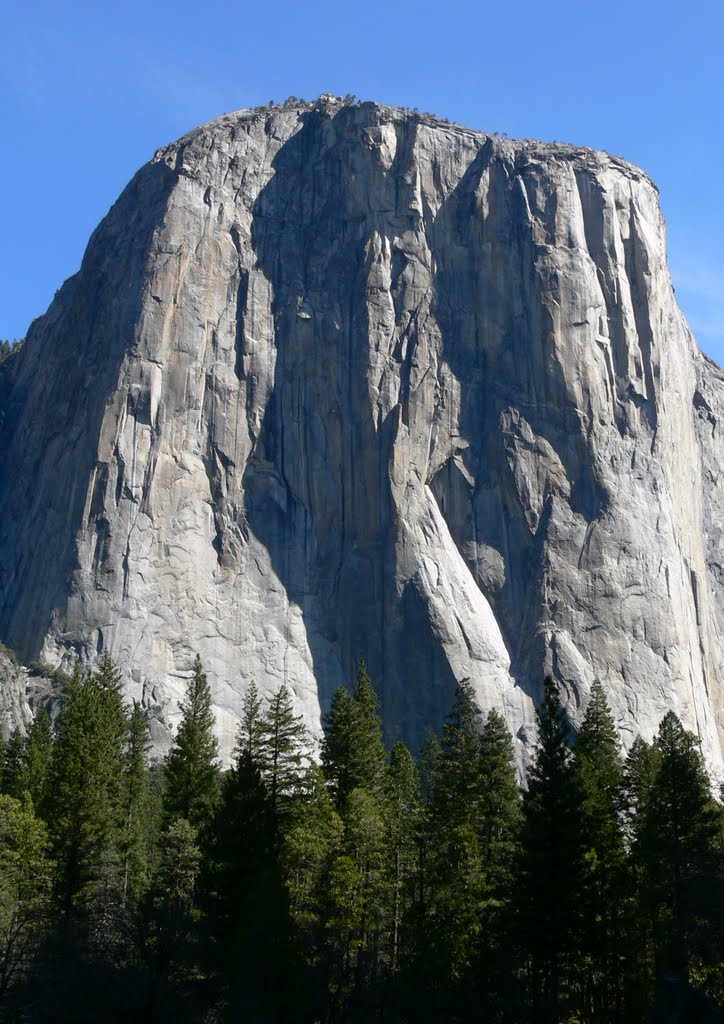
343 380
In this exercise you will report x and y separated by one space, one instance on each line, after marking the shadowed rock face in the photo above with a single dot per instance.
347 380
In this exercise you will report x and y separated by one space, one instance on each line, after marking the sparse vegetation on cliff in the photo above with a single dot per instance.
8 347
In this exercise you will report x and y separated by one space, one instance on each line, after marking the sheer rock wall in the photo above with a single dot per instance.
344 380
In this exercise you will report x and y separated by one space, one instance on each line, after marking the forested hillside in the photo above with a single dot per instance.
374 885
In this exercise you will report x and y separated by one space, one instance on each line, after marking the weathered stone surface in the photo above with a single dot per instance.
15 708
21 694
345 380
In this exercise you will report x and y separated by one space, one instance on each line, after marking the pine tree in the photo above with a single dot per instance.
13 763
499 829
550 865
84 793
247 901
353 754
136 826
25 881
172 916
404 810
369 758
312 839
639 775
283 749
251 727
354 761
449 928
684 872
191 771
459 786
598 774
336 746
359 903
500 805
429 765
422 955
37 756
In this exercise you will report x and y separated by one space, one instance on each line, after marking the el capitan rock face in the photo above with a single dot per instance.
344 380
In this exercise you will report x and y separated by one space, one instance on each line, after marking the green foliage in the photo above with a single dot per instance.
84 791
684 851
136 808
603 894
458 789
7 348
354 761
191 770
275 741
500 806
248 902
353 754
283 750
32 776
59 678
639 775
405 820
454 867
336 747
10 655
173 914
550 866
359 901
250 736
312 837
25 882
383 890
13 755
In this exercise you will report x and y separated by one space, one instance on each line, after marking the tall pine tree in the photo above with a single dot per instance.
455 866
500 826
84 794
550 866
25 883
404 811
603 896
353 754
13 755
247 903
683 874
640 770
283 749
250 734
37 755
136 825
191 768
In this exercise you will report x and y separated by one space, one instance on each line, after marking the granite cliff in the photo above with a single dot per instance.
342 379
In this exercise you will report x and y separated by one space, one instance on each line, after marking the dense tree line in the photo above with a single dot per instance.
370 886
8 347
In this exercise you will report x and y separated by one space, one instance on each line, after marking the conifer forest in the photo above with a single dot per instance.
369 885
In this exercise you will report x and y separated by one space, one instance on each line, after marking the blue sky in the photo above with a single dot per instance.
88 91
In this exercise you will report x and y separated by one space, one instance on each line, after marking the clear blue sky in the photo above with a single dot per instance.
89 90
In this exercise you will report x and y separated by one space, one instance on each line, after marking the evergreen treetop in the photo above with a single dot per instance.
191 769
353 754
37 756
284 748
250 735
83 797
